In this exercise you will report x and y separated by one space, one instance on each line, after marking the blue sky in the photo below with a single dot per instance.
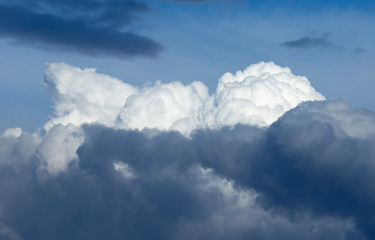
330 42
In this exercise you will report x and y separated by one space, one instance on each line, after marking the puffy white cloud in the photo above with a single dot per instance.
12 132
170 106
84 96
256 96
259 95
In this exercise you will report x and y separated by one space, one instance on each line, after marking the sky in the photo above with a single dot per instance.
187 119
330 42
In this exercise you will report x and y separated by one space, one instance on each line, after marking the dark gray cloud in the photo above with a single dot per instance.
316 160
91 27
309 42
311 173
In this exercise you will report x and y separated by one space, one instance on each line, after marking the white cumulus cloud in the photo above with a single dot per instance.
12 132
259 95
256 96
83 95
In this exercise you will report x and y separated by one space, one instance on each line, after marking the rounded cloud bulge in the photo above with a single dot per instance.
83 95
257 96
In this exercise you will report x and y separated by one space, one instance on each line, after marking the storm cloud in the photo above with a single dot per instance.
317 158
305 174
90 27
128 184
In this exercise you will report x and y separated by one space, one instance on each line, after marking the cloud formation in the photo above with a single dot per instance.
169 196
84 96
320 41
91 27
92 173
318 159
309 42
258 96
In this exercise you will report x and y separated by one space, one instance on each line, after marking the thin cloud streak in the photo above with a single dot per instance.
309 42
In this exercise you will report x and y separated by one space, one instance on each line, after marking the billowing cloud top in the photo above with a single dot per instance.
254 160
84 96
257 96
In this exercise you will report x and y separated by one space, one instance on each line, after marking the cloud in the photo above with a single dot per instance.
169 196
359 50
305 173
319 41
309 42
258 96
90 27
312 160
57 149
12 132
84 96
7 233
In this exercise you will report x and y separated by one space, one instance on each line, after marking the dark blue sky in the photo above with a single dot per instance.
330 42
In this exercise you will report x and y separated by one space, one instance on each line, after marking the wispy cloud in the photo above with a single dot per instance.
309 42
320 41
90 27
359 50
